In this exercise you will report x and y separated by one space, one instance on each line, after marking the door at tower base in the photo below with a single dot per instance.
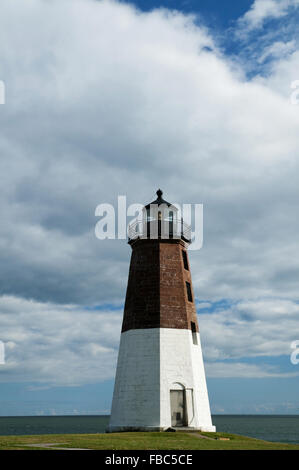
160 382
178 407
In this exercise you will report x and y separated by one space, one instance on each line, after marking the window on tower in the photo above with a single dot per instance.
185 260
189 292
194 335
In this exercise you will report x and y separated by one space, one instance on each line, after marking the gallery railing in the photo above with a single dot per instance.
159 229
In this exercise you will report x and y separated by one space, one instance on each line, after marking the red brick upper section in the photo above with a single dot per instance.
156 293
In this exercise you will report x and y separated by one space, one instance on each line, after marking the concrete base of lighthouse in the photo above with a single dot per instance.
155 365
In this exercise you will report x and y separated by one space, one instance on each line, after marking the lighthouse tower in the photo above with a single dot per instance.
160 378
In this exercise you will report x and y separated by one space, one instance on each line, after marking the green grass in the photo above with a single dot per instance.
144 441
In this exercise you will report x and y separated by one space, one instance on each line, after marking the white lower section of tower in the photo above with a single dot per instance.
160 382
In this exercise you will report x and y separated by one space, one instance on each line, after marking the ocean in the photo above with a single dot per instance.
276 428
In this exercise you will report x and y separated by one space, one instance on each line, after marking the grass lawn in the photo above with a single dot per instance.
143 441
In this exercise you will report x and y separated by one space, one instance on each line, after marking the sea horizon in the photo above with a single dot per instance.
269 427
106 414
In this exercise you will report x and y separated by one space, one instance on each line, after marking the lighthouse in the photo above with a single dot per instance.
160 379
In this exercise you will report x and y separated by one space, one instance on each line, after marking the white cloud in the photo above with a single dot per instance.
284 72
184 120
57 345
263 10
243 370
103 100
256 328
277 50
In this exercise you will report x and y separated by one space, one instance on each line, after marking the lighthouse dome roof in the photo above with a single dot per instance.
159 201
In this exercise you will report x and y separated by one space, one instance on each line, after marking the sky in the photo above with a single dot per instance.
107 98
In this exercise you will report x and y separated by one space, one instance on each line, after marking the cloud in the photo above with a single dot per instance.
183 119
277 50
264 10
68 93
103 100
256 328
245 371
54 345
